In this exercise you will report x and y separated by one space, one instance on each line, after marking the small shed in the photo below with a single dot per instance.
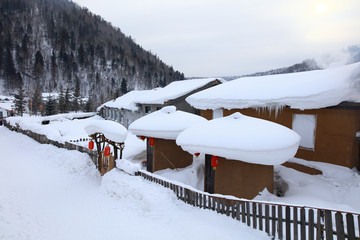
160 129
245 149
109 140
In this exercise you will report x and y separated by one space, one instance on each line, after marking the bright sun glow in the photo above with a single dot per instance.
321 8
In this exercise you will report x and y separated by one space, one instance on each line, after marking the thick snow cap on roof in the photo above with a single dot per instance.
112 130
303 90
126 101
166 123
243 138
174 90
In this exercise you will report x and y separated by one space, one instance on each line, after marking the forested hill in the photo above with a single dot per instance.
57 44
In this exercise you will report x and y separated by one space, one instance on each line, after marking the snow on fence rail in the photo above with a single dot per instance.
281 221
44 140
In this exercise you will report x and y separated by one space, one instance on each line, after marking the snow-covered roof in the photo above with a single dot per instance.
303 90
243 138
112 130
166 123
174 90
126 101
7 105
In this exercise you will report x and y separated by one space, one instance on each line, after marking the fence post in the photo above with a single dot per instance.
302 223
339 222
319 230
287 223
328 225
350 226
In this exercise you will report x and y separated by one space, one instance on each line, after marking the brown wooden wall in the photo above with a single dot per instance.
165 150
334 135
241 179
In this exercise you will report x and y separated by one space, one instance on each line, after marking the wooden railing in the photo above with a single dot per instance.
281 221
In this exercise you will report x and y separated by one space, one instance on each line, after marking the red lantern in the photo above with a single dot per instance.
151 142
196 154
142 138
214 162
107 151
91 145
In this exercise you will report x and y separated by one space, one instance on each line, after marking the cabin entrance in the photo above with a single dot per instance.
209 175
149 157
108 151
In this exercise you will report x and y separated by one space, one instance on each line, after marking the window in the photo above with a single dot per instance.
121 118
305 126
218 113
116 115
147 109
128 123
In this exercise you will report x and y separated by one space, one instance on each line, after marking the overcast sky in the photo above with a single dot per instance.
233 37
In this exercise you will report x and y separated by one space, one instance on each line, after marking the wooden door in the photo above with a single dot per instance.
149 156
209 175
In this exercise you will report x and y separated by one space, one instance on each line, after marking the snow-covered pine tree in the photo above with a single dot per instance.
20 101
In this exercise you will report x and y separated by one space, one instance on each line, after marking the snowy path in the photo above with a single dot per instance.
52 193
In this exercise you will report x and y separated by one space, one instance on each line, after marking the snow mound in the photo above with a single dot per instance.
166 123
112 130
243 138
303 90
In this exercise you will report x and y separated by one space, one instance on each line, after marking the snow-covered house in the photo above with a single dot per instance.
136 104
175 94
123 109
6 107
161 129
243 150
322 106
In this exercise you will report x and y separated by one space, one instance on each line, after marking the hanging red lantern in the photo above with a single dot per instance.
107 151
214 162
151 142
142 138
91 145
196 154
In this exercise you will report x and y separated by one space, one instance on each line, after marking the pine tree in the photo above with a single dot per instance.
50 106
62 106
36 100
89 104
76 96
67 100
20 101
38 65
123 86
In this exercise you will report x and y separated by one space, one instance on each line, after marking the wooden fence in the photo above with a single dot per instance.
44 140
280 221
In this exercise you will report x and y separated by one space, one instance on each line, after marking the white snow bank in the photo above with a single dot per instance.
174 90
166 123
126 101
62 127
243 138
303 90
111 130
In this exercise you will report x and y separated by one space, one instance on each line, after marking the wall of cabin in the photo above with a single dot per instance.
241 179
167 154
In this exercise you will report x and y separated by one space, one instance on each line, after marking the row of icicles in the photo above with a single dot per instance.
214 159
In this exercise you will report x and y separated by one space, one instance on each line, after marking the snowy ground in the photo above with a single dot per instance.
52 193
